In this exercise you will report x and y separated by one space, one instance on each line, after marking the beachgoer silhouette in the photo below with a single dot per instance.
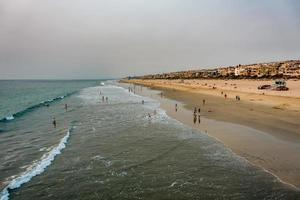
195 118
54 122
143 101
195 110
66 107
102 98
176 107
199 119
225 96
199 110
203 101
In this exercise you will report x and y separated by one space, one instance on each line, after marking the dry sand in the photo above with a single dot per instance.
246 89
262 131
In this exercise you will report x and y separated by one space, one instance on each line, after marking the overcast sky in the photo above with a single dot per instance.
44 39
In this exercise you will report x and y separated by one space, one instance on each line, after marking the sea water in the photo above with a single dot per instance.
113 149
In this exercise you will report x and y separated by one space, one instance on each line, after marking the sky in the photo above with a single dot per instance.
85 39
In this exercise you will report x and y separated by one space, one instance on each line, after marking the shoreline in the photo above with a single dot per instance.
265 145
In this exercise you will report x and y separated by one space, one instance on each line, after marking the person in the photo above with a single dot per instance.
195 110
199 110
225 96
143 101
199 120
176 107
203 101
195 118
66 107
54 122
102 98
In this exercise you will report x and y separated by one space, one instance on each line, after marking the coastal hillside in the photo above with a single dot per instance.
284 69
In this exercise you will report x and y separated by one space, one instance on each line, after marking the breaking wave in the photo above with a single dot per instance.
36 168
31 108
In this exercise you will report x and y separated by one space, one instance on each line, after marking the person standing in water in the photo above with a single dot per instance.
54 122
195 118
66 107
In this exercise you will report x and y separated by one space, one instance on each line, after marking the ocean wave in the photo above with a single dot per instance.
31 108
35 169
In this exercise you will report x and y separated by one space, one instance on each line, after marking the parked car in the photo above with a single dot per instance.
281 88
264 87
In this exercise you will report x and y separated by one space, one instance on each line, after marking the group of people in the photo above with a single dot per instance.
197 114
237 98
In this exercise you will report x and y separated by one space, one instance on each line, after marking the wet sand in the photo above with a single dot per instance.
266 136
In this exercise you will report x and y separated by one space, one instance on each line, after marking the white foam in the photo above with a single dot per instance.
35 169
9 117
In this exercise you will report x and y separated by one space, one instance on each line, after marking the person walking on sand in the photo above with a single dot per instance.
203 101
176 107
66 107
199 119
195 118
54 122
199 110
225 96
195 110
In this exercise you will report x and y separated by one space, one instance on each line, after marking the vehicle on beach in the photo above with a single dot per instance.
280 85
264 87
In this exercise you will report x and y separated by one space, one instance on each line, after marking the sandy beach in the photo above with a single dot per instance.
262 128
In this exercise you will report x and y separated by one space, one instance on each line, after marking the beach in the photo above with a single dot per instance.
262 128
128 146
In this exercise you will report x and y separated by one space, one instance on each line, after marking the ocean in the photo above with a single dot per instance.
112 149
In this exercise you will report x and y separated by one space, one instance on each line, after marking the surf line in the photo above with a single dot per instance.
31 108
36 168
